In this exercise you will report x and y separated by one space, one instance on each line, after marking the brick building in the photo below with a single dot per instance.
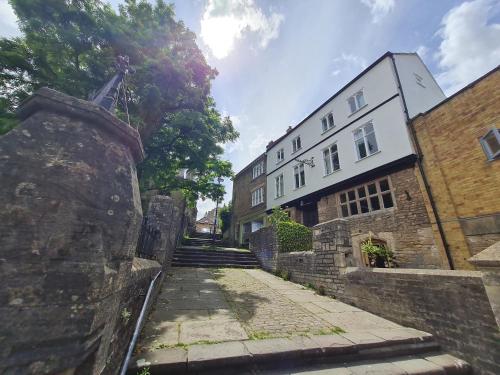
249 200
460 143
353 158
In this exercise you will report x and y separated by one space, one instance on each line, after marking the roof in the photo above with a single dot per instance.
385 55
249 165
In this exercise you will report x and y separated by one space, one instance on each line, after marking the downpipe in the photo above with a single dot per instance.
138 325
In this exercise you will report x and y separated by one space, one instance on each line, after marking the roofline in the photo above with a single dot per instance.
469 86
249 165
371 66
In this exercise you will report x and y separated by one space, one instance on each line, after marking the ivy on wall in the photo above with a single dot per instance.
293 236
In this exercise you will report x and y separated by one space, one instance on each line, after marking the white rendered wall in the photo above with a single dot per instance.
418 99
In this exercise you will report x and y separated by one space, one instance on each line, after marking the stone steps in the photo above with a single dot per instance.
413 352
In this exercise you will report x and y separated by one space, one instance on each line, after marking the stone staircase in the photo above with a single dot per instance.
201 251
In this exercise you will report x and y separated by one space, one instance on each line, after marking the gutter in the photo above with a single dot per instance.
428 191
138 325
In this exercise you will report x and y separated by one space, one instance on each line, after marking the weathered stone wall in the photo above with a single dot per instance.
406 227
265 247
452 305
69 221
323 266
463 183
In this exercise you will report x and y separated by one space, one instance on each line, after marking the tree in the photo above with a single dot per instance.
71 46
226 215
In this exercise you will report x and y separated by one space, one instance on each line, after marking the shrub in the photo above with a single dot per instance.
293 236
278 216
378 255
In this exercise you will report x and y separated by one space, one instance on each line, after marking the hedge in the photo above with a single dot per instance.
293 236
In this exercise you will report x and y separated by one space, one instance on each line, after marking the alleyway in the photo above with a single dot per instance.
201 308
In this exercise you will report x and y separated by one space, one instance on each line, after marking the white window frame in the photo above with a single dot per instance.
486 147
257 169
299 170
279 186
329 160
364 136
296 144
358 103
257 196
329 121
280 155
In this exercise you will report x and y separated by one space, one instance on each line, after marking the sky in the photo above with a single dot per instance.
279 60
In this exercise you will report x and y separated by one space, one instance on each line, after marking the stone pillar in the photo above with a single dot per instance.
69 220
488 262
161 214
334 235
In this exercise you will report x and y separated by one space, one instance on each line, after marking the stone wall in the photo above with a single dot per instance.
452 305
69 222
265 247
406 227
463 182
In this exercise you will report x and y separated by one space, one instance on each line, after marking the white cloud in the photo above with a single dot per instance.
8 26
348 64
470 44
224 22
379 8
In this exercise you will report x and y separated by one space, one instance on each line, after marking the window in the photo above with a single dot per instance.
356 102
300 177
331 159
296 145
279 186
366 143
327 122
370 197
491 144
280 155
257 196
258 169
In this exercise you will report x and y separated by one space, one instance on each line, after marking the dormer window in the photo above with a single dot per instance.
280 155
327 122
296 144
356 102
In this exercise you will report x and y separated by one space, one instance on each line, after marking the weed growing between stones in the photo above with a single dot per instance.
186 346
126 315
330 331
144 371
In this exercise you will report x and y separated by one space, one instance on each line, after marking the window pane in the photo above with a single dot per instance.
361 192
375 203
351 195
352 104
360 99
363 203
354 208
302 177
372 143
333 148
328 162
372 189
492 143
298 143
360 146
384 185
296 180
358 134
345 212
342 198
324 125
387 198
330 120
368 128
336 162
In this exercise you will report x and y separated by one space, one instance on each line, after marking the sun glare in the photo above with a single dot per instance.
220 34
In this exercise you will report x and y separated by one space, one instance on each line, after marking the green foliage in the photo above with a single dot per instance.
126 315
144 371
226 214
293 236
71 46
284 274
278 215
377 254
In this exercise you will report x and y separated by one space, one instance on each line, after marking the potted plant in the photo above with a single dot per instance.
379 255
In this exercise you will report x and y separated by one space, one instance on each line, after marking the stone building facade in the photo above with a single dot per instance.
458 139
249 201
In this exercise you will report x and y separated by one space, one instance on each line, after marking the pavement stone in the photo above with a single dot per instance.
217 355
194 331
419 366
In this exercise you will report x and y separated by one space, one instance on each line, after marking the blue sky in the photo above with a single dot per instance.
278 60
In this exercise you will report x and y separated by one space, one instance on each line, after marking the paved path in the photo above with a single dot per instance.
198 306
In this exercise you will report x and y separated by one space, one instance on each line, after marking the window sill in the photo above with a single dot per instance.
328 130
300 187
281 196
333 172
297 150
279 162
371 213
258 204
357 110
366 157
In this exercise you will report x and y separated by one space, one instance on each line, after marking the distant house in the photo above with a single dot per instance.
249 200
459 140
206 223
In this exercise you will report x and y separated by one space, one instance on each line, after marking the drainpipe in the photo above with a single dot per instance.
413 135
138 325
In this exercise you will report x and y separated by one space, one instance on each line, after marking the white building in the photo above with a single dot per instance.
353 156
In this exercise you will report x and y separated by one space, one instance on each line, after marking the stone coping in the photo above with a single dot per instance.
489 257
358 345
48 99
416 271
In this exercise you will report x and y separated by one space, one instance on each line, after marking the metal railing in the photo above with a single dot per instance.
148 238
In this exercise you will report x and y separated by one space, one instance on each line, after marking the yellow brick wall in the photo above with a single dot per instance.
463 183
